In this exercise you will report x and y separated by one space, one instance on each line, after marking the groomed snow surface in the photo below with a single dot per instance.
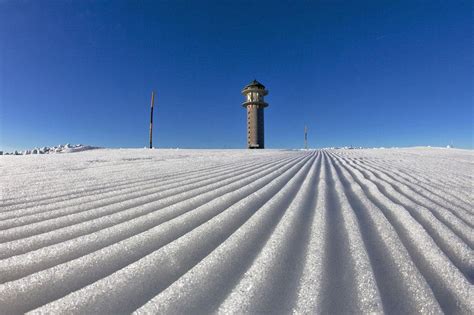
237 231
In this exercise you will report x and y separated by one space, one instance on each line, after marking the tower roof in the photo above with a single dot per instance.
256 84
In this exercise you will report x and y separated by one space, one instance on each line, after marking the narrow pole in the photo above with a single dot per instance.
151 118
306 137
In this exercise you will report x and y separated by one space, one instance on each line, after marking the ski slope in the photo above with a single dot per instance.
238 231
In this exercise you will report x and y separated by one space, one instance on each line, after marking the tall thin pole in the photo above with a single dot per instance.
151 118
305 137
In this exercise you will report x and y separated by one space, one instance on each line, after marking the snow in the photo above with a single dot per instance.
62 148
236 231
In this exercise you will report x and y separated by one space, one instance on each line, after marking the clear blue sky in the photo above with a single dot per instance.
361 73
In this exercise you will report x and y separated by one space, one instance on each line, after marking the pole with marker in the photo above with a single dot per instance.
151 118
306 137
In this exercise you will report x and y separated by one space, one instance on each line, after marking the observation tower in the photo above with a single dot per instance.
255 104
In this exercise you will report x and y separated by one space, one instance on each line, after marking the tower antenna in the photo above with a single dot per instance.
151 118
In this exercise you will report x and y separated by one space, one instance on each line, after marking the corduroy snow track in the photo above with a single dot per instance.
238 231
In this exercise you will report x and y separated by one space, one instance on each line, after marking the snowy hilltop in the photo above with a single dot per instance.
62 148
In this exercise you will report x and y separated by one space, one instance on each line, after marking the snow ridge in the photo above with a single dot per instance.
237 231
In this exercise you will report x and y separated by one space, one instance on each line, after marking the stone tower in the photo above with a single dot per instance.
254 93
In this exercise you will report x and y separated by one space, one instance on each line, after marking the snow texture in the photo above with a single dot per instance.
62 148
238 231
